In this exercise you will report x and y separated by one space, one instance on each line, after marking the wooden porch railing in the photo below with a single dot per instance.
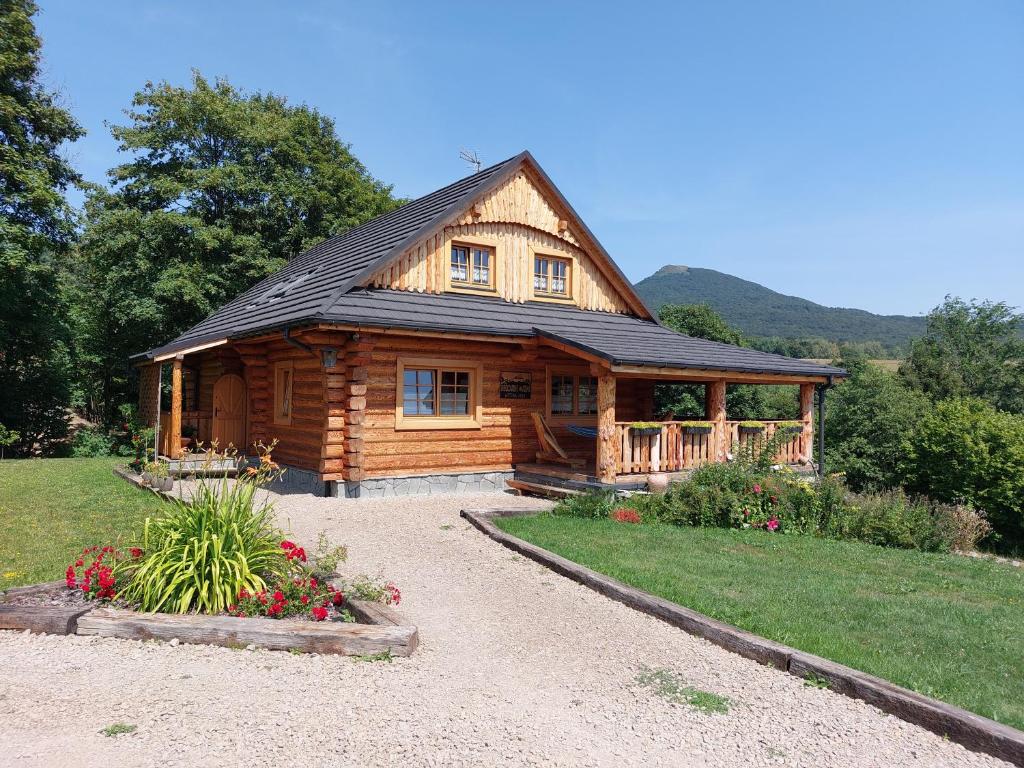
675 447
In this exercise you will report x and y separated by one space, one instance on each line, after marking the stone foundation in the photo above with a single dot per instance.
296 480
425 485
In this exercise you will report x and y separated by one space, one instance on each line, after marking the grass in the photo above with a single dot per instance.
944 625
117 729
672 688
52 508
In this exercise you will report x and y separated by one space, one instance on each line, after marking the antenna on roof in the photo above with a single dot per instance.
471 157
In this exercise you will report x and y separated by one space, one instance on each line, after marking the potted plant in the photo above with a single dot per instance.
751 427
697 427
645 428
790 427
157 476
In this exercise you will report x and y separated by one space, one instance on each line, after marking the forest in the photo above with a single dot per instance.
218 187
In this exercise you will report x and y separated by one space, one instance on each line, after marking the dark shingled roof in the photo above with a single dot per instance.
321 286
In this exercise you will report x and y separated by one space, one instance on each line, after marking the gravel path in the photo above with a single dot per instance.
517 666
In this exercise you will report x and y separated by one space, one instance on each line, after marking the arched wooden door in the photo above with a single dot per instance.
229 412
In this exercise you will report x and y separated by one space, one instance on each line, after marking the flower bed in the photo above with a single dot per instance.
213 568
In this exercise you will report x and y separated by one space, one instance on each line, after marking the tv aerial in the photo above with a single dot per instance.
471 157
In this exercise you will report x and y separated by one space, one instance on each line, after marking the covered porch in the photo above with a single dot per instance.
623 454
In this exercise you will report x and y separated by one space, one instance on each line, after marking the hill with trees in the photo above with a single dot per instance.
757 311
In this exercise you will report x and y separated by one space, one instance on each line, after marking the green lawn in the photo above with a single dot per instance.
948 626
51 508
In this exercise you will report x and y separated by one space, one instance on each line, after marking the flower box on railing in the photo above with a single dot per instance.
697 427
790 427
751 427
644 428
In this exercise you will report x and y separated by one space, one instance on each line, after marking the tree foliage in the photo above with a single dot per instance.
970 349
221 188
36 224
743 401
869 417
967 451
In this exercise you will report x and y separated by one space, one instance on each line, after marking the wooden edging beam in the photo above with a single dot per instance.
965 728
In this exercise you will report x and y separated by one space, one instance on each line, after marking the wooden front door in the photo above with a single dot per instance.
229 412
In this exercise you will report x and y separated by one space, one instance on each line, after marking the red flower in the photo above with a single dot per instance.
394 596
135 552
297 552
773 524
624 515
279 596
79 563
319 613
304 599
312 583
337 598
287 544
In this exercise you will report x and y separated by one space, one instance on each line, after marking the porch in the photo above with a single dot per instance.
622 454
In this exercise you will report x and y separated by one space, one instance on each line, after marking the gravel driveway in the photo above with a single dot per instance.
517 666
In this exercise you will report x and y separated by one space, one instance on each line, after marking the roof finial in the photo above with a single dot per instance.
471 157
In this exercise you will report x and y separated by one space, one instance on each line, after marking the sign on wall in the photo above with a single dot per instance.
515 385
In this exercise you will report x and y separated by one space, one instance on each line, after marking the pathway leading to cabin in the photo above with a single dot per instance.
517 666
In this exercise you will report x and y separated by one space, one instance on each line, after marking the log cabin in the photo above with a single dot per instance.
474 337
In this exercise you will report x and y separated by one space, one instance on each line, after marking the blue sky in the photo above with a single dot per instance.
866 154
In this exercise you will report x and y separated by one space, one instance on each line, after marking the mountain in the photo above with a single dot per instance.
759 311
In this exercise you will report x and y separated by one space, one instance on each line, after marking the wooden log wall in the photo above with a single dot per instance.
516 218
507 434
300 443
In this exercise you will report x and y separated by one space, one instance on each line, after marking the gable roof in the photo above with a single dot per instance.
308 287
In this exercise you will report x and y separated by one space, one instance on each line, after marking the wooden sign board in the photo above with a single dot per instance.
515 385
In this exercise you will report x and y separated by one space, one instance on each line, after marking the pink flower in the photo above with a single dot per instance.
757 487
773 524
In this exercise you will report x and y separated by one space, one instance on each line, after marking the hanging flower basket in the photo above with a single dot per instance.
790 427
697 427
645 428
751 427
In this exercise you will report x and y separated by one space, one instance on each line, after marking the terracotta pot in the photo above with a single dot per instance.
657 482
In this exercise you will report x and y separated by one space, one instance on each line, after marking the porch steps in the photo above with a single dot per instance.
540 489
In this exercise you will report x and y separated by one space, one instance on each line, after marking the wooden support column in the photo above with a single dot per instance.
175 437
607 450
807 417
714 411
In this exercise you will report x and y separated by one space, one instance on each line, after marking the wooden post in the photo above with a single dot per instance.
714 411
606 450
175 436
807 417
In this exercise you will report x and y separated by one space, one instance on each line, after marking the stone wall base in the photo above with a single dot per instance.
424 485
296 480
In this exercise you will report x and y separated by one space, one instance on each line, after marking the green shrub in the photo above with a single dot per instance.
965 451
204 552
90 442
594 506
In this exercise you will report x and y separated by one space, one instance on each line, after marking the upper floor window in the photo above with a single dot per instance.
472 265
551 276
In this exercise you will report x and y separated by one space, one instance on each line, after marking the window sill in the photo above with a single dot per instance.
468 288
408 423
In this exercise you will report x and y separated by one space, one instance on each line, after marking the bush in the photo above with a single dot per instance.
965 451
89 442
205 552
737 495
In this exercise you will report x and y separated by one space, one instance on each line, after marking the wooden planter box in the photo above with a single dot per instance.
697 430
645 431
751 430
380 629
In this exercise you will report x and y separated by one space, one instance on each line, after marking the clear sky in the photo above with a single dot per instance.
865 154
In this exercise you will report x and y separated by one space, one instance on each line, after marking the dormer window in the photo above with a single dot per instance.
472 266
551 277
